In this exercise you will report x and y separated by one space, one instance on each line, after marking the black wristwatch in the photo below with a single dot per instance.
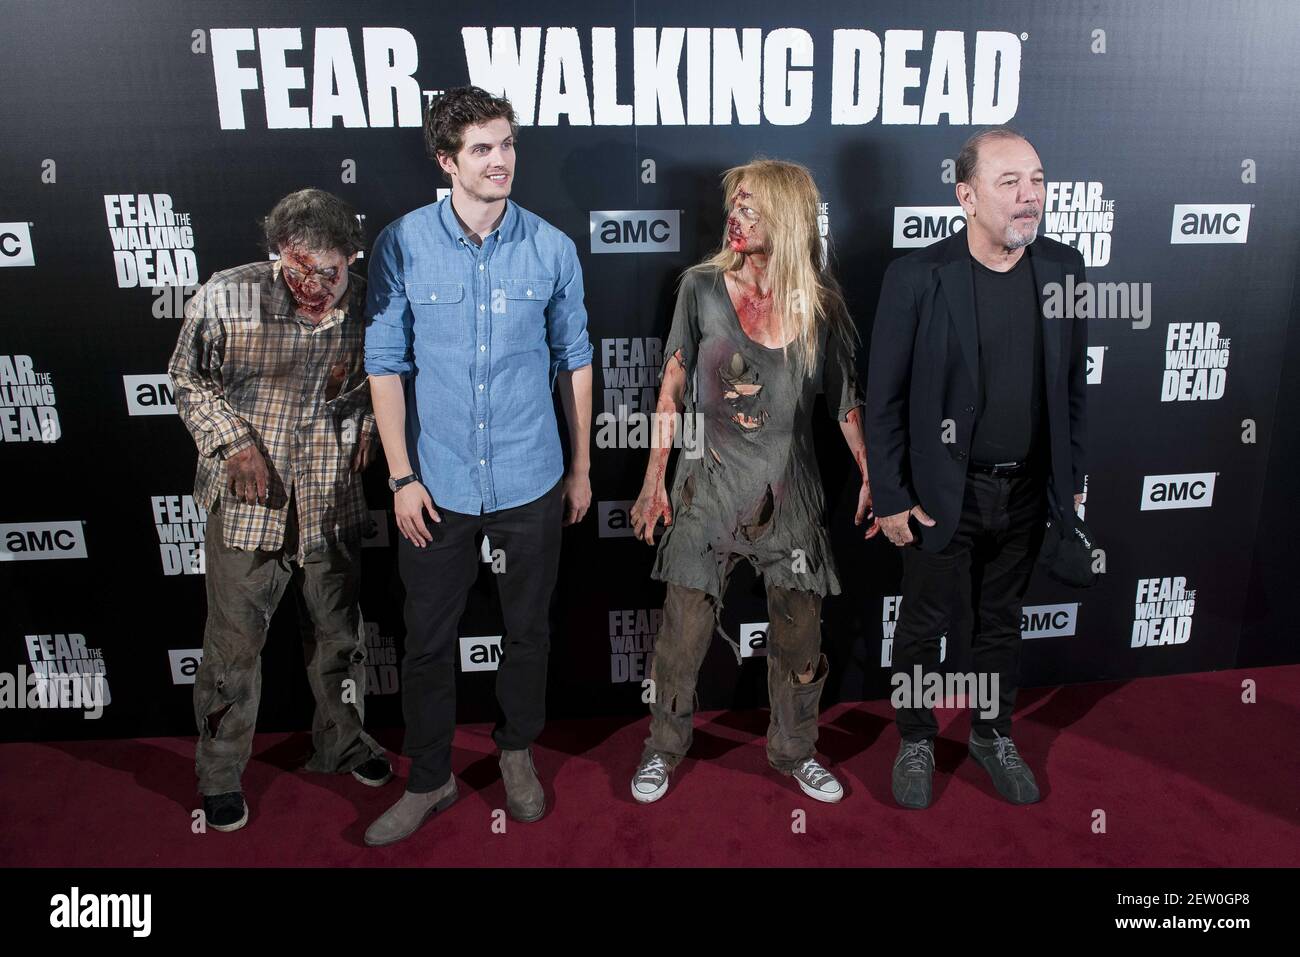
395 484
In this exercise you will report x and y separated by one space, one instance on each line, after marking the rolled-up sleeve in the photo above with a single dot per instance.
389 324
566 316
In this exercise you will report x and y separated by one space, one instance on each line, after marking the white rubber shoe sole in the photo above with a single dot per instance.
826 797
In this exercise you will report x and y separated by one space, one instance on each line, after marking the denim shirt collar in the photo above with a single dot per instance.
504 231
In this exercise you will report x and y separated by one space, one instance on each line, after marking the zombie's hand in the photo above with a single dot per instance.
363 454
650 505
247 476
864 511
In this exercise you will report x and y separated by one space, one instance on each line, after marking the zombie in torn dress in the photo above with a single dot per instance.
747 488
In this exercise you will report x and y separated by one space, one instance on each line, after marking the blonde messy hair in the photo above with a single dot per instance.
805 295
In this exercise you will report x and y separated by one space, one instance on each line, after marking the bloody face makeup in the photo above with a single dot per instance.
316 280
745 230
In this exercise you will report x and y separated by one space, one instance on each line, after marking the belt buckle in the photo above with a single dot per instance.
1004 468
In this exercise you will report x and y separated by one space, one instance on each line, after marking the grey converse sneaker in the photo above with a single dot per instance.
650 782
1011 776
817 782
914 774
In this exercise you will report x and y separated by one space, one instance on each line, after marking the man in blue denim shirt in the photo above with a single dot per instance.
475 311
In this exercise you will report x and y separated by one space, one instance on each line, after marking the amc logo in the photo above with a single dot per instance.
185 664
16 245
635 231
1219 223
916 226
1049 621
753 639
149 394
41 541
1190 490
480 652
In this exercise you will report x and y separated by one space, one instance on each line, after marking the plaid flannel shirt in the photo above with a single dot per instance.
248 370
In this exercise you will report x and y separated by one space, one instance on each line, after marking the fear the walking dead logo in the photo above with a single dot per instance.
182 526
307 78
1076 214
153 245
1162 612
27 402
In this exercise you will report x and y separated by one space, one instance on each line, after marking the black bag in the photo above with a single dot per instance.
1067 549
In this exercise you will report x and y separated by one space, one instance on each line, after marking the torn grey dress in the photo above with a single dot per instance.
750 487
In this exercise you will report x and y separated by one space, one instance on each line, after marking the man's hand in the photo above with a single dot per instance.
650 504
409 505
577 497
364 453
864 510
247 476
896 527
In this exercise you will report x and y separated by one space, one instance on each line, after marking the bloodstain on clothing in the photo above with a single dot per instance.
334 381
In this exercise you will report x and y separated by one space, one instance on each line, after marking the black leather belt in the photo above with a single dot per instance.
1001 468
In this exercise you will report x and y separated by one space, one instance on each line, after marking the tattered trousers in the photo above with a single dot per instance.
244 587
793 648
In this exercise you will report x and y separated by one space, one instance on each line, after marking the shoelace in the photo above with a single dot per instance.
814 772
653 771
911 756
1008 756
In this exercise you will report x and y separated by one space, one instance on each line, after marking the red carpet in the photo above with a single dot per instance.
1186 774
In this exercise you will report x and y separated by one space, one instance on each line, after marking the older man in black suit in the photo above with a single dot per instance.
975 434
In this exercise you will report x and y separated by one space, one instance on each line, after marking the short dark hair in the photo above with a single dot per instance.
316 220
448 116
969 156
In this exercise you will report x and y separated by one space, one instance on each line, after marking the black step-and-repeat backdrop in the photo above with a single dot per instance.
142 141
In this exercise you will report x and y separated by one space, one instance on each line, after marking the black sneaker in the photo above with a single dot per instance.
225 812
375 772
914 773
1011 776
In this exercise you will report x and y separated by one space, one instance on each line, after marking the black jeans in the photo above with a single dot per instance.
438 578
991 556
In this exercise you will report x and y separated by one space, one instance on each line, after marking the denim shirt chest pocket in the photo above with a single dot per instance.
437 310
519 311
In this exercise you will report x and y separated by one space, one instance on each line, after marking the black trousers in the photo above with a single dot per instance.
438 578
990 560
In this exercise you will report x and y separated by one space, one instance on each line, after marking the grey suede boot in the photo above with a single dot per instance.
411 810
525 799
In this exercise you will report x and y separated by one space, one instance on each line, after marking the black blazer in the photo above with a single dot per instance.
924 369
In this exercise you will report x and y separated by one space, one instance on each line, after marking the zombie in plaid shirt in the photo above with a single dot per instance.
251 372
270 381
